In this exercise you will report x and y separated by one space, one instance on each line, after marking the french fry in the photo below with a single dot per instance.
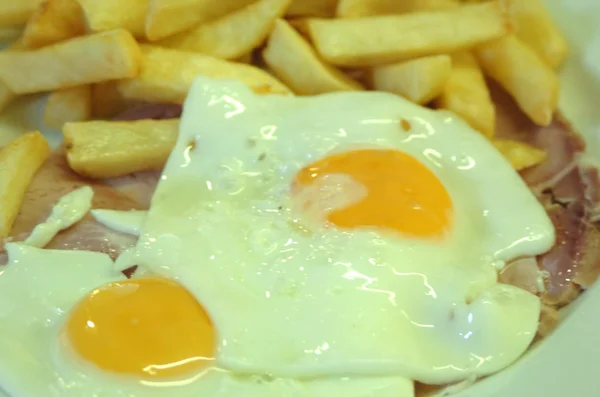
19 161
312 8
234 34
69 104
9 33
168 17
418 80
380 40
519 70
295 63
6 96
107 149
466 94
535 27
54 21
16 12
166 75
364 8
103 15
84 60
107 101
519 154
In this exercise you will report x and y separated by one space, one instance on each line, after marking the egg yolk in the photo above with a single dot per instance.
153 328
402 193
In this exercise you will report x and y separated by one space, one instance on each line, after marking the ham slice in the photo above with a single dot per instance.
156 111
569 187
55 179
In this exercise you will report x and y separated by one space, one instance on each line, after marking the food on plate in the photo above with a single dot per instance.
312 8
16 13
107 101
419 80
156 111
568 186
69 104
69 210
375 40
466 94
19 162
105 149
89 59
363 8
6 96
168 17
535 27
107 15
246 178
166 75
232 35
291 58
8 33
54 21
340 217
520 155
518 69
54 180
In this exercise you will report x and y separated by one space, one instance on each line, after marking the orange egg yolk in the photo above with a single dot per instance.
402 193
153 328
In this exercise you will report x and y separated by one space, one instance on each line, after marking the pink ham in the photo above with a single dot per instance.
156 111
570 190
55 179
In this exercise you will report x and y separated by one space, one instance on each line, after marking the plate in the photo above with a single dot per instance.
567 362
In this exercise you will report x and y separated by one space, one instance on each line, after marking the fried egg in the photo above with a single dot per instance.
72 326
345 234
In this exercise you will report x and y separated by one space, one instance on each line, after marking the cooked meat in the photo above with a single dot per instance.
156 111
523 273
139 186
569 188
55 179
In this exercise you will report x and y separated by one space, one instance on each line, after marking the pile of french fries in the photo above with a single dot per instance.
96 58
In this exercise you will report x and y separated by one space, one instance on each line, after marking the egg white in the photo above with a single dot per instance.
294 302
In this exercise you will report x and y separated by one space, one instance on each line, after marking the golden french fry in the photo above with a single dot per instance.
418 80
69 104
466 94
107 149
535 27
530 81
295 63
9 33
54 21
234 34
380 40
364 8
6 96
19 161
519 154
84 60
103 15
16 12
166 75
312 8
107 101
168 17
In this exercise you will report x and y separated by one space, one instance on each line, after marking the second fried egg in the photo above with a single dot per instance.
346 234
